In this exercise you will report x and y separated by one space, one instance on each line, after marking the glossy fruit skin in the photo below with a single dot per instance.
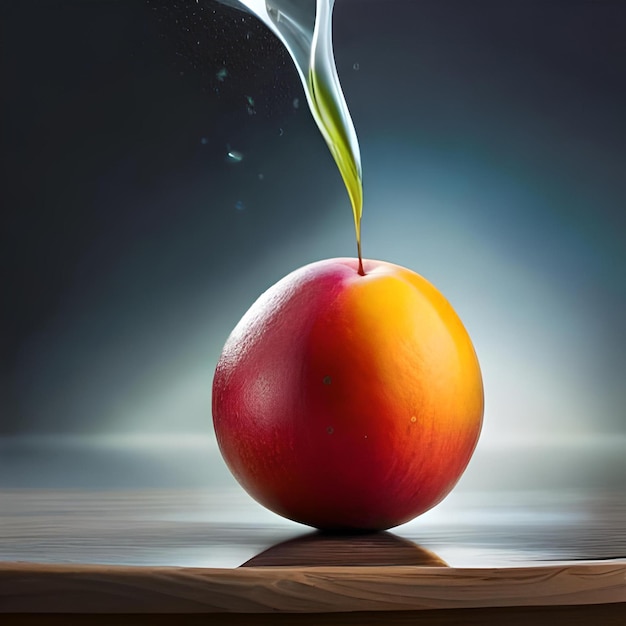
348 402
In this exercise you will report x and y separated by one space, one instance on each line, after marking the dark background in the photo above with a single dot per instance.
493 138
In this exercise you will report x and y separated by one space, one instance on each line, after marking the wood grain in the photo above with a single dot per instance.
32 588
219 528
174 556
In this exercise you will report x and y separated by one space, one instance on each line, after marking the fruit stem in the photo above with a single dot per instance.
358 247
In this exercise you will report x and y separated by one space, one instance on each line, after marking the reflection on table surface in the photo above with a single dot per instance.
319 549
128 505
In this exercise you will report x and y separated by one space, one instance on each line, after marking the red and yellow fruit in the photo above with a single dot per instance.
348 401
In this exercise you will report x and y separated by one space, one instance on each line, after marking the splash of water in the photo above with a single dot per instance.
305 29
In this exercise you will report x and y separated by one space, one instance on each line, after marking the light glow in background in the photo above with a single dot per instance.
494 149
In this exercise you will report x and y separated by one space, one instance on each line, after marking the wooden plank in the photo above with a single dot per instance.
92 589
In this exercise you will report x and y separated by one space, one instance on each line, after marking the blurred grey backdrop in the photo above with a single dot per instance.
493 139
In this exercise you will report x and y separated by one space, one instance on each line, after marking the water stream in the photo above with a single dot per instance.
305 29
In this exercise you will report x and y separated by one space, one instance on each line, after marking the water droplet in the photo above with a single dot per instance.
330 430
221 74
234 157
250 106
356 67
239 205
413 419
327 380
296 103
204 141
261 176
280 132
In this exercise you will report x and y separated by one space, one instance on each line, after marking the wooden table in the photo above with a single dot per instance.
81 544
